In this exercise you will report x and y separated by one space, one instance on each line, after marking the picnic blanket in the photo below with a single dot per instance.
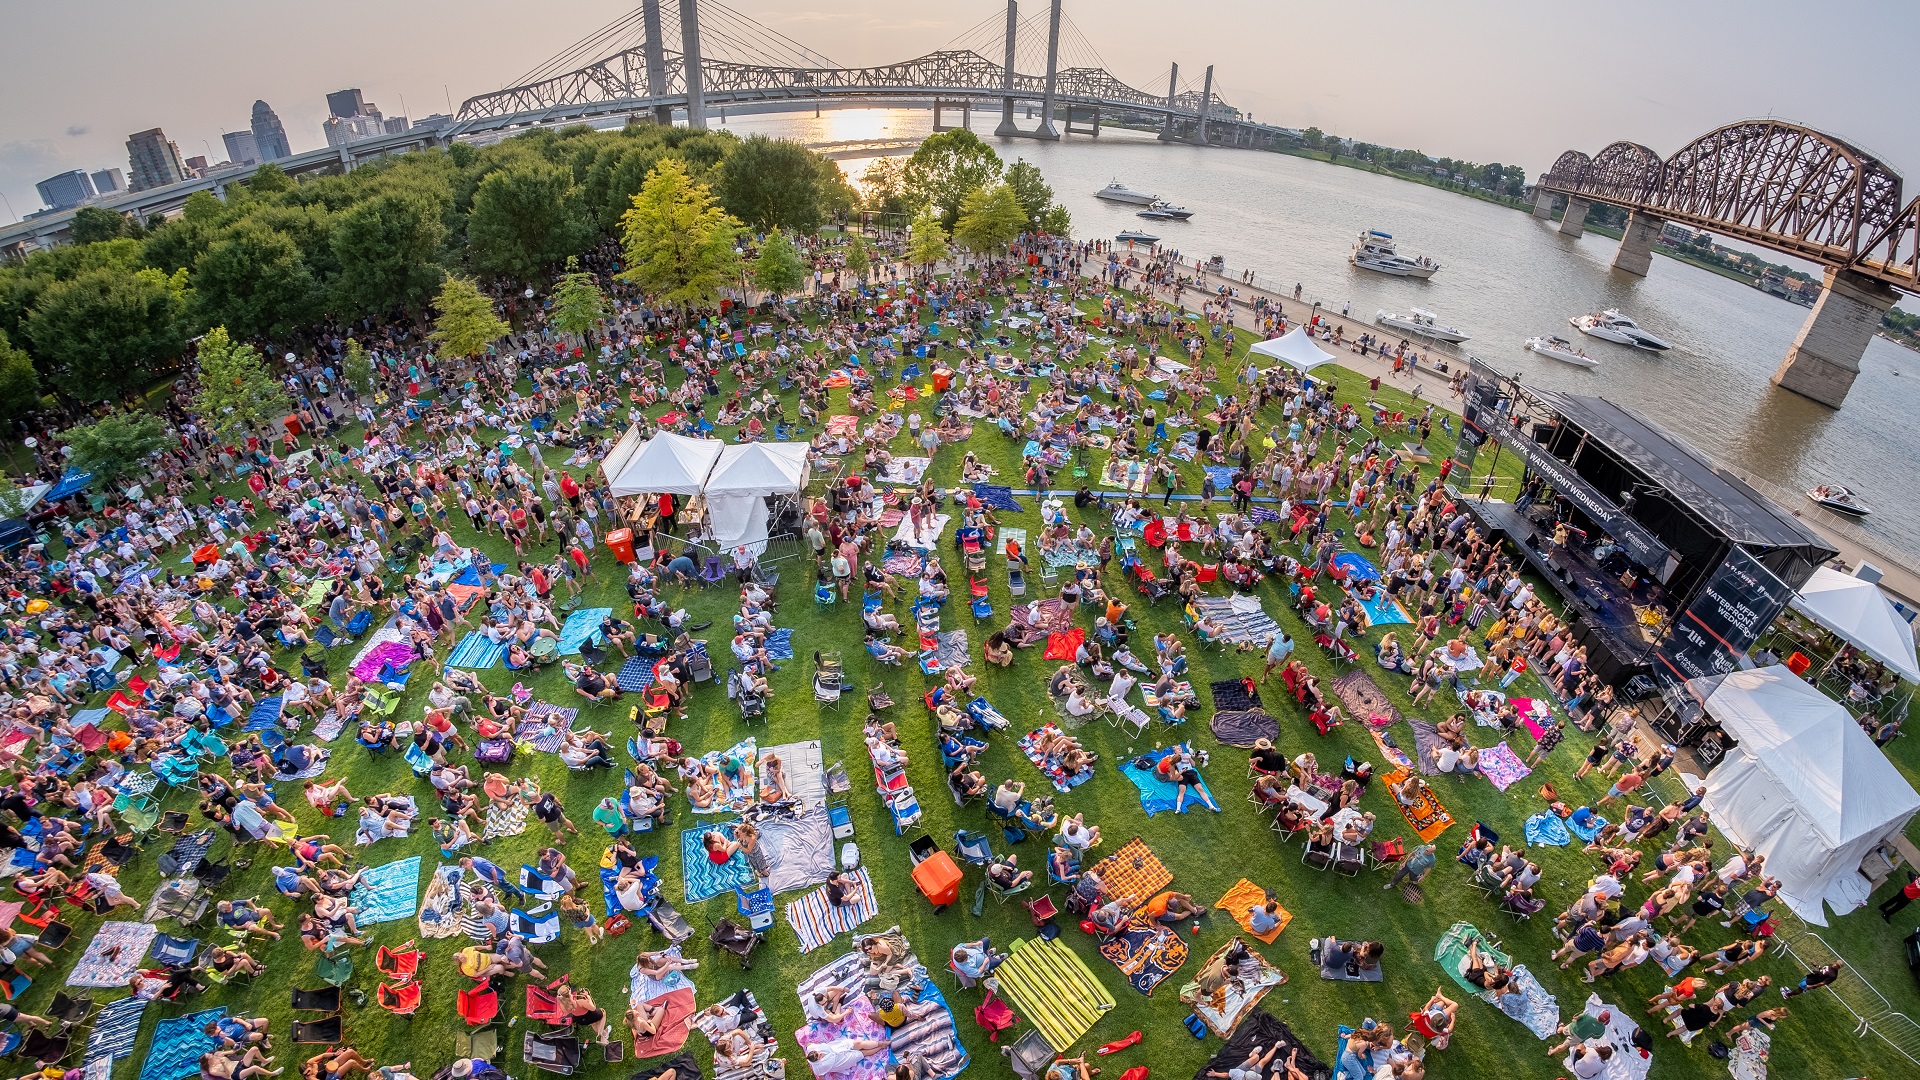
365 834
1428 818
902 562
1157 794
739 793
933 1040
818 920
1586 832
265 714
477 652
1335 970
952 651
178 1045
806 779
799 850
1545 829
1247 982
1146 952
905 469
1050 763
331 724
1381 609
1532 1006
780 644
748 1017
387 893
1260 1029
1064 646
1243 897
843 425
1235 695
113 955
1502 766
1241 619
929 536
579 627
995 497
1126 474
556 721
380 655
1629 1062
115 1030
635 675
1051 616
1363 699
675 994
312 769
1243 727
705 878
1534 713
439 907
510 819
1052 989
1134 870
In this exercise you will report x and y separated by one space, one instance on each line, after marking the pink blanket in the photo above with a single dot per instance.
397 653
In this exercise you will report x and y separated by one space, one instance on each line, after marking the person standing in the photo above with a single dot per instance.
1824 975
1904 895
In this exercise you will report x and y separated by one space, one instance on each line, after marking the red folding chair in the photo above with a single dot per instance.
402 964
400 999
544 1004
478 1005
995 1016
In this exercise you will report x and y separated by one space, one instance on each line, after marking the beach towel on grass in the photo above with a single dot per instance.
1050 763
1502 766
555 720
1260 1029
739 794
387 893
806 779
178 1045
114 1030
1627 1063
579 627
818 920
1235 695
1382 610
1222 1010
861 1025
636 674
1545 829
799 850
675 994
1051 988
439 908
129 942
780 644
929 537
1049 616
1134 871
511 819
1534 713
952 652
265 715
1363 699
995 497
1428 818
1146 953
1243 728
905 469
1243 897
1064 646
1587 832
1157 794
1222 476
314 768
745 1013
378 657
330 726
476 652
1241 619
705 878
932 1040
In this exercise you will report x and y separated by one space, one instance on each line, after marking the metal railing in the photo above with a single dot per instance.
1869 1007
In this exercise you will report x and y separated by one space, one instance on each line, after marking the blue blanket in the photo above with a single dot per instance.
471 575
997 497
579 627
635 675
388 893
114 1030
1156 794
780 644
475 651
1358 567
1589 831
1547 830
265 715
1383 610
705 878
1222 476
178 1044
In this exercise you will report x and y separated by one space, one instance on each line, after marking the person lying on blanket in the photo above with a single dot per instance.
1182 769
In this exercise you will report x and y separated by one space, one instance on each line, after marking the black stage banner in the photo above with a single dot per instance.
1739 601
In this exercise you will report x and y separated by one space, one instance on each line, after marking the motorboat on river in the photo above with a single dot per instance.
1121 193
1840 500
1560 349
1375 251
1613 325
1135 236
1421 323
1162 210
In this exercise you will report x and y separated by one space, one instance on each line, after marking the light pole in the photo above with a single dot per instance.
10 210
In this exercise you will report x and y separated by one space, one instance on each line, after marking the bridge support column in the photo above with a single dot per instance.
1574 221
1083 120
1173 88
1046 129
1206 106
656 61
966 114
690 62
1542 203
1825 358
1635 255
1006 128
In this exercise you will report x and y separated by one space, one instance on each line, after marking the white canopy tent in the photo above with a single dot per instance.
665 464
1860 614
1296 349
745 476
1804 786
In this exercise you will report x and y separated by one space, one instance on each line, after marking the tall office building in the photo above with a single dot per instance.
67 189
108 181
344 103
242 149
269 138
154 160
396 125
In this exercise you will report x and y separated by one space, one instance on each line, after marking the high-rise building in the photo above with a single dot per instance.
395 125
196 165
344 103
269 138
154 160
341 130
242 149
108 181
67 189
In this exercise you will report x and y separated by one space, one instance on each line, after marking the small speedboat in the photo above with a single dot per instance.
1135 236
1612 325
1375 251
1840 500
1560 349
1421 323
1215 265
1119 192
1162 210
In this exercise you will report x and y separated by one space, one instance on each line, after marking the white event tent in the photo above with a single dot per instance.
1804 787
665 464
1296 349
737 491
1860 614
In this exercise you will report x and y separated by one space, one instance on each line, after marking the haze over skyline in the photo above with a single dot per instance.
1501 81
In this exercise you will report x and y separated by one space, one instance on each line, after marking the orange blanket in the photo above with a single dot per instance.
1246 895
673 1026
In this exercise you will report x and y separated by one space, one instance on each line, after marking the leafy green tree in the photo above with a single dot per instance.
386 247
927 241
109 331
524 221
678 241
779 269
990 219
1057 222
885 186
254 281
269 179
357 368
19 383
467 323
947 166
1036 198
111 447
1313 137
772 184
92 224
238 394
578 303
859 262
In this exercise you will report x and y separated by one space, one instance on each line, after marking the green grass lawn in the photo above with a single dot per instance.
1207 853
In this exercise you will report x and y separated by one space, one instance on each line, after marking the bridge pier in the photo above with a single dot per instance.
690 63
966 114
1007 128
1542 203
1206 106
1635 255
1046 129
656 61
1825 358
1574 221
1077 117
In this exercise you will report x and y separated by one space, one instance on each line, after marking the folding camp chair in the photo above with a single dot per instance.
402 963
323 1032
672 925
400 999
478 1004
731 937
972 848
324 1000
554 1052
994 1015
168 951
544 1004
537 929
1030 1056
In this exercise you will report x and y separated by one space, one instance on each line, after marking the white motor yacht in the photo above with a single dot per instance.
1421 323
1162 210
1840 500
1560 349
1375 251
1119 192
1612 325
1135 236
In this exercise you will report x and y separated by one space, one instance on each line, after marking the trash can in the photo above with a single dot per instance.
939 880
621 541
942 379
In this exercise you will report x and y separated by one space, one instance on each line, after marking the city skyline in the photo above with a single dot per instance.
1492 84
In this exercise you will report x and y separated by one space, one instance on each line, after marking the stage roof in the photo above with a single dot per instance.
1743 514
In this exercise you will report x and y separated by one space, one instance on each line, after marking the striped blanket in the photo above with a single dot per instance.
1239 623
114 1030
1049 985
817 920
559 720
475 651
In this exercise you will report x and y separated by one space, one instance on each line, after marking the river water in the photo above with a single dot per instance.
1505 276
